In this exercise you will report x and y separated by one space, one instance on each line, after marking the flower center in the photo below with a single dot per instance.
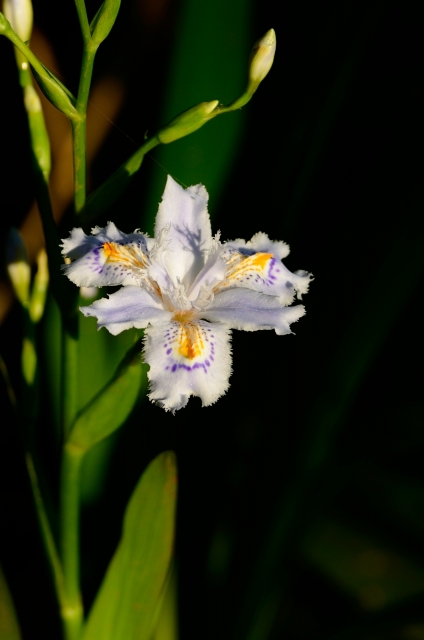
183 316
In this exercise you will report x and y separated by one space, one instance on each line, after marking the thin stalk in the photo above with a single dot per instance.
43 521
69 374
115 185
83 20
46 533
79 129
72 612
233 106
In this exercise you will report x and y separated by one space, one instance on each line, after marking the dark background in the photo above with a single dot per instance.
302 490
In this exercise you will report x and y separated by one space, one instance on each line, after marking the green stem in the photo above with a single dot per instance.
233 106
72 612
43 521
24 49
69 373
46 532
113 187
83 20
79 129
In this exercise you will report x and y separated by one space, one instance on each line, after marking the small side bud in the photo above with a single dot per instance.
39 135
39 288
28 361
20 15
55 91
261 60
17 266
104 20
187 122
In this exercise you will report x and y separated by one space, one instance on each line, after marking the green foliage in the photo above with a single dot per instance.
111 407
209 60
9 628
128 602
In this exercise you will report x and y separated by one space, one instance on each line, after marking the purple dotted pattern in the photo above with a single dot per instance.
96 262
203 362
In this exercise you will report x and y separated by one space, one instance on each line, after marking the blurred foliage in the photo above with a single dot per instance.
317 448
9 627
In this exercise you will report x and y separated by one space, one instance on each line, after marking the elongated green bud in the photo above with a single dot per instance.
55 91
187 122
52 88
104 20
20 15
39 288
28 360
39 137
18 267
261 60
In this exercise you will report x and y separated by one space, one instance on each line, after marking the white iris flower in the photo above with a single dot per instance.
187 290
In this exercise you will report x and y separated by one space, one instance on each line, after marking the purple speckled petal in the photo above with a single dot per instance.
109 257
262 272
187 359
129 307
259 243
250 311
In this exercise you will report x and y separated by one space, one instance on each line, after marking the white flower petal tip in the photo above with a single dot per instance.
187 289
186 359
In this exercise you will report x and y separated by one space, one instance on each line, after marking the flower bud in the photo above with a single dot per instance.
261 60
104 20
55 91
187 122
17 266
20 15
39 288
28 361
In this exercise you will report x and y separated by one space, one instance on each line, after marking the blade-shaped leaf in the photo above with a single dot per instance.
9 628
132 590
112 405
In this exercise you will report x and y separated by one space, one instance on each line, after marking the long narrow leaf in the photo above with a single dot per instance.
111 407
133 588
9 628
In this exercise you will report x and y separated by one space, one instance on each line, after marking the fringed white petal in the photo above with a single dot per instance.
107 258
266 274
251 311
260 243
187 359
190 237
129 307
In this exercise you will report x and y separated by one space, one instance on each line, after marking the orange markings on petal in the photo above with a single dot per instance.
109 250
255 263
123 253
261 259
190 341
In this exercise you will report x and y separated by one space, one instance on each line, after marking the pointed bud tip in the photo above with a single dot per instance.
269 39
261 60
20 15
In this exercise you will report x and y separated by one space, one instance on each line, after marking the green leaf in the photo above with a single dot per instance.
111 406
131 594
212 44
9 628
167 622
